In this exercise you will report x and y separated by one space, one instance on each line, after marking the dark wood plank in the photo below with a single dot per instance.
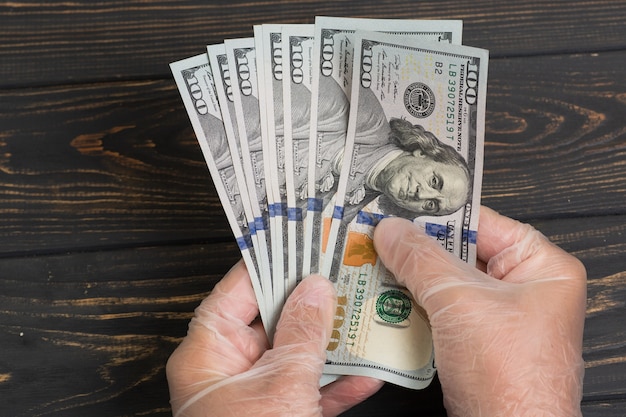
600 243
59 42
555 140
100 165
604 409
111 232
89 333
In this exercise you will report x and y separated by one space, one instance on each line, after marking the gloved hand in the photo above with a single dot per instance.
507 339
224 366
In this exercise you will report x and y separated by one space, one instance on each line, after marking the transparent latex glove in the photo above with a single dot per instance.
508 337
224 367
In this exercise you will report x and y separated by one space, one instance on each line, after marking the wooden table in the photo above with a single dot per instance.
111 231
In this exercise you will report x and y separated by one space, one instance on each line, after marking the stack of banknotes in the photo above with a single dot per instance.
312 135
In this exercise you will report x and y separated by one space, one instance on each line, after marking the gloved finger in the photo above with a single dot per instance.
504 244
497 232
288 375
228 312
220 342
347 392
516 252
232 297
307 316
419 262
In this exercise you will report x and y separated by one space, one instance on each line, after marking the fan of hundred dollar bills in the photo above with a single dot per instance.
314 133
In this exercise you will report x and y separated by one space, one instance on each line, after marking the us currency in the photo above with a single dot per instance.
298 47
330 105
196 84
268 157
414 148
241 60
223 86
298 53
273 68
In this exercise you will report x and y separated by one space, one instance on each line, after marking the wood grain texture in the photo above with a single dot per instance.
600 243
106 164
88 41
89 334
111 232
101 165
555 135
604 409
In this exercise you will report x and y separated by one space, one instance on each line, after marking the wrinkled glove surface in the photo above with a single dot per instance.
507 338
224 366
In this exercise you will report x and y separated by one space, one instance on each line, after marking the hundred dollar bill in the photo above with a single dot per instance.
277 293
241 58
298 52
273 68
196 85
330 105
414 149
223 85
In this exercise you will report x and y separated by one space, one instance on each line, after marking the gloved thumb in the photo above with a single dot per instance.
287 376
421 264
307 316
